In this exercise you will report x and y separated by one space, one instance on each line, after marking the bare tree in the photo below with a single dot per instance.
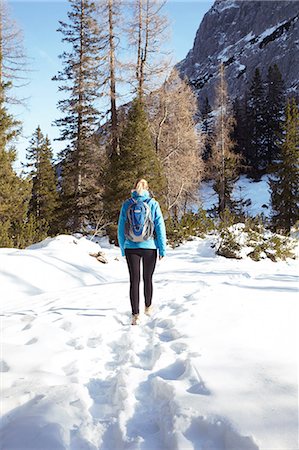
109 17
147 33
224 163
178 144
13 60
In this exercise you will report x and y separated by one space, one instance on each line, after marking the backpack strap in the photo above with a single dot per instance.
147 200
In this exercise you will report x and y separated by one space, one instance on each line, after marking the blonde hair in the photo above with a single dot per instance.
141 185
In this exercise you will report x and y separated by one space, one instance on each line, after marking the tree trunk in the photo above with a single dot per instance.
222 187
139 50
114 121
77 212
1 56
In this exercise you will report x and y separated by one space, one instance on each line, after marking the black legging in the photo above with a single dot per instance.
149 258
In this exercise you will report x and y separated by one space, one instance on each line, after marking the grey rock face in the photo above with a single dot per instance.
244 35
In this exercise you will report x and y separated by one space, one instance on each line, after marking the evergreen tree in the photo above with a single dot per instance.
44 195
14 192
137 159
81 80
275 102
256 125
207 128
224 163
284 187
239 132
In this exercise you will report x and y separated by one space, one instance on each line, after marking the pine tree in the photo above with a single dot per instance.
137 159
256 124
240 129
275 102
16 228
224 163
284 187
44 197
207 128
14 192
81 79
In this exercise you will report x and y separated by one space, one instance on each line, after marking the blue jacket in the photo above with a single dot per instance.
159 242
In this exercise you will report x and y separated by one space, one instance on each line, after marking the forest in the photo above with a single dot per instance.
162 134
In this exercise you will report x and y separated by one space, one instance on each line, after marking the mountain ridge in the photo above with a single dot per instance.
243 35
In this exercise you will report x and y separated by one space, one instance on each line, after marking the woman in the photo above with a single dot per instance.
143 248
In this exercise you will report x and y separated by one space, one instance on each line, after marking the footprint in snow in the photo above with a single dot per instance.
27 327
75 343
94 342
149 356
217 433
67 326
166 324
199 389
4 367
184 370
170 335
179 347
32 341
28 318
71 369
173 372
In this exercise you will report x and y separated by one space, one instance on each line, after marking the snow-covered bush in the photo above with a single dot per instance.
229 244
253 240
190 225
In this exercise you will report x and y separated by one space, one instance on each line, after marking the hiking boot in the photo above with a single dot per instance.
135 319
148 310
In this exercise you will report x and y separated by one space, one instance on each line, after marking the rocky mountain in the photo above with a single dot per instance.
244 35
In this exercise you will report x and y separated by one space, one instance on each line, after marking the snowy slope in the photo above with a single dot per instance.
215 368
255 193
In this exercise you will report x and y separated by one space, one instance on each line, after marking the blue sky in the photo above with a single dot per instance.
39 21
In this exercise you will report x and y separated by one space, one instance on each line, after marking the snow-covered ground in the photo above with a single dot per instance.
214 368
255 192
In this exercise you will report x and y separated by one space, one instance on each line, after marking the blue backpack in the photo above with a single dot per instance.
139 225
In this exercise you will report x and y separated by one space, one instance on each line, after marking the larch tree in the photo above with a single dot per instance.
147 33
178 145
224 163
81 80
14 62
284 185
110 19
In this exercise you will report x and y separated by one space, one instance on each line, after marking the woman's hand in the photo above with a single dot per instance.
160 257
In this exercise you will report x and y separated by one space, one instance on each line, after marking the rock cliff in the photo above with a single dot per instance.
244 35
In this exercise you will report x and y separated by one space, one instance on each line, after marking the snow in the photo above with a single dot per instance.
256 192
270 30
220 6
215 367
